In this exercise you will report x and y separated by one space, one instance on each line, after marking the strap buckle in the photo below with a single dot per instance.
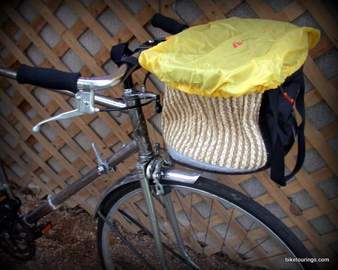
290 100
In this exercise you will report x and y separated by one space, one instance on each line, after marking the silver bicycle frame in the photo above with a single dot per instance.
141 144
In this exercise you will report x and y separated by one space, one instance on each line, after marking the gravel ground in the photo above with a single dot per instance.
70 244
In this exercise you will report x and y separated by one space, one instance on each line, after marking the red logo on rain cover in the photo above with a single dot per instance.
237 44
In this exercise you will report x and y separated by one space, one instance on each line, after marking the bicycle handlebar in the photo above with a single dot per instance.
60 80
48 78
84 83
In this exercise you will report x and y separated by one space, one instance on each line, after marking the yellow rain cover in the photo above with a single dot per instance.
230 57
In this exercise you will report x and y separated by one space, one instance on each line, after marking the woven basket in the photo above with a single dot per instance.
214 130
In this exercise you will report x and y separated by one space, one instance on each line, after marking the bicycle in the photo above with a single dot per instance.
155 207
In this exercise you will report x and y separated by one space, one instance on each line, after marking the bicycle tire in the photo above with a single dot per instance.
233 196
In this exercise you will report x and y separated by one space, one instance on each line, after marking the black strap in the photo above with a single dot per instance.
277 147
277 150
167 24
300 107
121 54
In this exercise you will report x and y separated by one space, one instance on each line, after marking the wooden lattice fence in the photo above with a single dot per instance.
78 35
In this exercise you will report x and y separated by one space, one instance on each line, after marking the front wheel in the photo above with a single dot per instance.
221 229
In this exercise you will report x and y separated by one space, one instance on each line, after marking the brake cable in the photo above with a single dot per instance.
129 107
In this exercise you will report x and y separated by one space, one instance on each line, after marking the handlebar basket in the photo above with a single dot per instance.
223 132
232 88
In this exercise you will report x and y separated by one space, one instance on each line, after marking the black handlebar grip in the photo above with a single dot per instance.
48 78
167 24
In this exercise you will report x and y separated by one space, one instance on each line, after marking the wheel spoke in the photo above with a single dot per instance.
245 237
256 246
189 219
266 257
146 231
227 230
114 230
209 225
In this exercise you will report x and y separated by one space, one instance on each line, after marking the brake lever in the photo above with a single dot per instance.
84 105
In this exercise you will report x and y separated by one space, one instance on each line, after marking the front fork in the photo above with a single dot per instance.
171 215
165 198
149 167
152 216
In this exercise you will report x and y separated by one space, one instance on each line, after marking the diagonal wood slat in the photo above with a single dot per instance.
78 25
